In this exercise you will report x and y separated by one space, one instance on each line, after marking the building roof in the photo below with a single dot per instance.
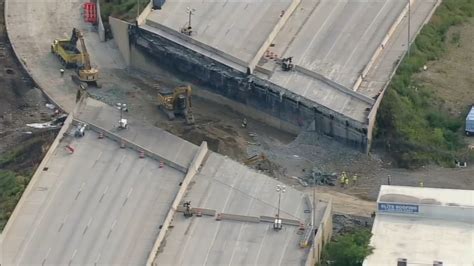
427 196
423 225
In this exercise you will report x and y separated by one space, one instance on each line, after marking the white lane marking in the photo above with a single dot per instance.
72 257
112 228
97 259
62 223
103 193
80 190
87 226
46 257
128 195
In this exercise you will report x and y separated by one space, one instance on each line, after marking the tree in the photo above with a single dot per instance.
349 249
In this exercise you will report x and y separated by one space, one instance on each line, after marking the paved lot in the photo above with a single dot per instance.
101 204
228 187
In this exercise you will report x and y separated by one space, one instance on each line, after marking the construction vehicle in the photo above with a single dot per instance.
176 101
70 56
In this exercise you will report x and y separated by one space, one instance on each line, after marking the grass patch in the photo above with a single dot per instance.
412 123
12 186
122 9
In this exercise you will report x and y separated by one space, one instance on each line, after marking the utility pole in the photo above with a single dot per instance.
409 25
313 226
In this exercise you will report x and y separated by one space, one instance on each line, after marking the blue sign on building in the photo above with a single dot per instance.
398 208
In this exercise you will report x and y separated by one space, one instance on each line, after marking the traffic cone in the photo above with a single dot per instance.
218 217
301 227
142 154
275 56
161 164
101 135
122 144
70 149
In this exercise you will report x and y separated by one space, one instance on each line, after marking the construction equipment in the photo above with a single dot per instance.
287 64
176 101
70 56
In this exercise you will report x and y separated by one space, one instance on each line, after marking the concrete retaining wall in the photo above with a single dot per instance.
100 24
250 92
192 171
322 237
120 32
133 146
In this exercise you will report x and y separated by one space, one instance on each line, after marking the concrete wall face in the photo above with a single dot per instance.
258 94
120 32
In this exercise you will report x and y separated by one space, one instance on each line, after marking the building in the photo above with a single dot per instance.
423 226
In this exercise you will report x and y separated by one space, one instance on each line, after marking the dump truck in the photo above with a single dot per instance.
67 51
70 56
469 129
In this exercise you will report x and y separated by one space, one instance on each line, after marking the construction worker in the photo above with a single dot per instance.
421 183
61 71
346 181
354 179
342 179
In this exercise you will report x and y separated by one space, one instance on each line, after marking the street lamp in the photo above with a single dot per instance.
122 122
277 225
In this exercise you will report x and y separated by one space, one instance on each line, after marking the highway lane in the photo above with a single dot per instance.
106 206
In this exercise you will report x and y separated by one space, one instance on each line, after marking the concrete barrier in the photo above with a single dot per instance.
192 170
141 19
271 219
276 29
379 50
132 145
240 218
333 84
203 211
323 236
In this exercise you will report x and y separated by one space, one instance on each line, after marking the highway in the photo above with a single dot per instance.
101 204
229 187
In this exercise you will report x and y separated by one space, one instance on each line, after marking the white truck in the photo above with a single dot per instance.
470 122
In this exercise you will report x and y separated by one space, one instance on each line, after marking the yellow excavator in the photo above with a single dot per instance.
70 56
176 101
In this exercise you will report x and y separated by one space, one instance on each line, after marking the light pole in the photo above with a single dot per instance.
277 224
280 189
190 11
409 25
122 122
